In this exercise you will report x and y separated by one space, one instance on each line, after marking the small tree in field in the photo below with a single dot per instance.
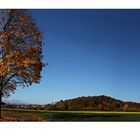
20 51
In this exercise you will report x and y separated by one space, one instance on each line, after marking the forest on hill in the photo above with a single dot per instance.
94 103
90 103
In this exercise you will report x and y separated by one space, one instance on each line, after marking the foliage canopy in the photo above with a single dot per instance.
20 51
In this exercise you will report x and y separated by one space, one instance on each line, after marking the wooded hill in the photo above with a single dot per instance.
94 103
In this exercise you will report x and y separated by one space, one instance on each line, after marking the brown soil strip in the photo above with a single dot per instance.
22 117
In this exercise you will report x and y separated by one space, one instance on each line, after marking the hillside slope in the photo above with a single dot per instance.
94 103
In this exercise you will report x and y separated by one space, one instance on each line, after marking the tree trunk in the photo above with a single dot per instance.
0 104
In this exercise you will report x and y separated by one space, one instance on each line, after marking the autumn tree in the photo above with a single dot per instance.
125 107
20 51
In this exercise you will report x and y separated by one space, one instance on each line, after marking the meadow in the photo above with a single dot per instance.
76 116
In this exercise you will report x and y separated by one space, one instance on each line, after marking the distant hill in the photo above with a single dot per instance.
3 103
13 101
94 103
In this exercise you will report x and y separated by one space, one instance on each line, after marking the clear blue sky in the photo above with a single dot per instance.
90 52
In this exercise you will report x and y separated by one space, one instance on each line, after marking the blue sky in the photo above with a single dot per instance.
90 52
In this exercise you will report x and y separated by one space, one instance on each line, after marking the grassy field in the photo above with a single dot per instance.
80 115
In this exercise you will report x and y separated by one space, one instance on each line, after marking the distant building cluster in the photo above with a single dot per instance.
24 106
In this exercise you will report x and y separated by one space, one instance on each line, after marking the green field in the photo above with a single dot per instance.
80 115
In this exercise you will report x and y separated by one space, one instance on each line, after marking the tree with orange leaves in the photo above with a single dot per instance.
20 51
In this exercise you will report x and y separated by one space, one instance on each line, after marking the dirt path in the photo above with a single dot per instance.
14 116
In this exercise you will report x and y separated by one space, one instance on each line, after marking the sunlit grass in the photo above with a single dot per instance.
91 112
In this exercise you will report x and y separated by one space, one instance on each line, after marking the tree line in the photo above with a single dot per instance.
90 103
94 103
